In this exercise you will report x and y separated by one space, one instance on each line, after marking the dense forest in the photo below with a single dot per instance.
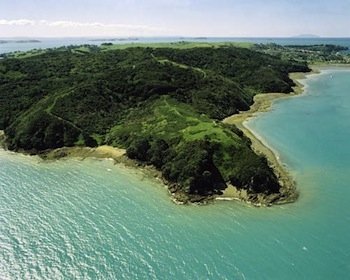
163 105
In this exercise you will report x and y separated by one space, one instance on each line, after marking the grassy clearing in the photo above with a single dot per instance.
81 50
177 123
166 118
177 45
183 66
26 54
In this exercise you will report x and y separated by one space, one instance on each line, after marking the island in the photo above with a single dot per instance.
25 41
163 105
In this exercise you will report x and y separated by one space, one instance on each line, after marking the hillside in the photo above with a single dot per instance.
163 105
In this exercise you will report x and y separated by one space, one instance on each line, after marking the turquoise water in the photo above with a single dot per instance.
91 219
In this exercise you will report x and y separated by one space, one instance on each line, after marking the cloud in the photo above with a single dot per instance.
19 22
76 24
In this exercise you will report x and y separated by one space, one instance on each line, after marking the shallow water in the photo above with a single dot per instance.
91 219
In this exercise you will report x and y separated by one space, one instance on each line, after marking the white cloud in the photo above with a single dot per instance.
76 24
99 25
17 22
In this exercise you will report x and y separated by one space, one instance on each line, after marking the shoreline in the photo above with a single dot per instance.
118 155
322 66
101 152
263 103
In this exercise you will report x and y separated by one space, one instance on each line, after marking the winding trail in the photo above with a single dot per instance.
50 108
180 65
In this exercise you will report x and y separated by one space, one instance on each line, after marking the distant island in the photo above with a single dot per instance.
163 105
307 36
19 41
115 39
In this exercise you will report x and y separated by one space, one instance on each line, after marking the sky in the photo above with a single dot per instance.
218 18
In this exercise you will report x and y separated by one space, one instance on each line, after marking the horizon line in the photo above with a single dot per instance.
180 37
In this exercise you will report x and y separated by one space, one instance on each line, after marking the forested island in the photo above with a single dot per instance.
164 105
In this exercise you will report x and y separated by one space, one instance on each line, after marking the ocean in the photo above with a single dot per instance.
91 219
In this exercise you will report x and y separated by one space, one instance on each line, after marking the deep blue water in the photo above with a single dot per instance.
58 42
91 219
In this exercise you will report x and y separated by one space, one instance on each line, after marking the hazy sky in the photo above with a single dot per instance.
174 17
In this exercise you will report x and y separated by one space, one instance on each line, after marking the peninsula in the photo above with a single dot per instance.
163 105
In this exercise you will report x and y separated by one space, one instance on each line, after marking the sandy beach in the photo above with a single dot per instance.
85 152
263 103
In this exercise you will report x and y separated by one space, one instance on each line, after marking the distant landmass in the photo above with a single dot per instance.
19 41
115 39
306 36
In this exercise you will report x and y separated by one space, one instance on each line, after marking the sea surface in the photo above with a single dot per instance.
44 43
91 219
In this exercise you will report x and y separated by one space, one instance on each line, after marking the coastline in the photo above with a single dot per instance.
263 103
118 155
321 66
101 152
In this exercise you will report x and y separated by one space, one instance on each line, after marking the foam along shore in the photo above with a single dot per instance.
263 103
119 157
